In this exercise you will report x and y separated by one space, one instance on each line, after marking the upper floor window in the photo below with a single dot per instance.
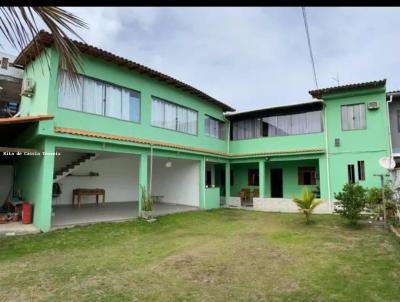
299 123
101 98
171 116
278 125
245 129
214 127
353 117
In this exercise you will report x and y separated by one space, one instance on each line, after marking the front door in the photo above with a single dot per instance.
276 183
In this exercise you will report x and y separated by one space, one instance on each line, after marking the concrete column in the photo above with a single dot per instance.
142 179
261 174
202 183
43 205
227 183
323 178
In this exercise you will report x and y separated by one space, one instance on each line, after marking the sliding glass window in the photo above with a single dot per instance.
101 98
278 125
174 117
214 127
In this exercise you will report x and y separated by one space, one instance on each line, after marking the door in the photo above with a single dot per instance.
276 183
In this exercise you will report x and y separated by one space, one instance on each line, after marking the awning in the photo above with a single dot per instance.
10 128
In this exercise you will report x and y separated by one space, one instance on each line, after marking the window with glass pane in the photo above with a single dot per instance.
113 101
97 97
214 127
170 116
70 97
280 125
246 129
93 96
353 117
192 122
130 105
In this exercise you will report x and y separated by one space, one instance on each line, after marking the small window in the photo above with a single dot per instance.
4 63
353 117
253 177
306 176
361 170
350 173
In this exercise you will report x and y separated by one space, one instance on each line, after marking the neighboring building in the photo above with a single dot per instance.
10 85
128 125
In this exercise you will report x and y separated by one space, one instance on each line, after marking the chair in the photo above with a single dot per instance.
244 196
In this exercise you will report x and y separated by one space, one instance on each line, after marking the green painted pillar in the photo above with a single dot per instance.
41 172
323 178
142 179
202 183
261 174
227 183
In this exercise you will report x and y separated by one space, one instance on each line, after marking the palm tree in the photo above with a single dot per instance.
18 25
307 203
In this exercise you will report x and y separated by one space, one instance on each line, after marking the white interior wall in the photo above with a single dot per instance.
117 175
66 158
178 184
6 178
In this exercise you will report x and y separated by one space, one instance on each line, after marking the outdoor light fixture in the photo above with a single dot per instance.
168 164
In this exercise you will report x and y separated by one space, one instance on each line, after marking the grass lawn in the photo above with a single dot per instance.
220 255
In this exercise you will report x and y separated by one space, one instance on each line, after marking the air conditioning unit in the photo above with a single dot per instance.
373 105
28 86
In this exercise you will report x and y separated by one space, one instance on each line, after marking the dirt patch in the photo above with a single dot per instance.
192 268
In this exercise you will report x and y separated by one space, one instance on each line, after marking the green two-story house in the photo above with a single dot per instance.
127 127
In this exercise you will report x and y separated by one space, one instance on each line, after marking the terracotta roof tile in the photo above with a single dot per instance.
176 146
318 93
25 119
45 39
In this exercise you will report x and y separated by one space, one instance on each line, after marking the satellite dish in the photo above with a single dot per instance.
387 163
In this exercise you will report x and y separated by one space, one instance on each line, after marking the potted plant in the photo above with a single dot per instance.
147 204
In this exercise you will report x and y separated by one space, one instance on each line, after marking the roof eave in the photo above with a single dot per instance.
45 40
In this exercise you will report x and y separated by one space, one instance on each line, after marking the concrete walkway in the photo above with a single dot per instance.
17 228
66 215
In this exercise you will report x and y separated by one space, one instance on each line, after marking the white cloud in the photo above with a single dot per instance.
252 57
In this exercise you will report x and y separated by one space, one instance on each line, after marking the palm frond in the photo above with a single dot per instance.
18 25
307 203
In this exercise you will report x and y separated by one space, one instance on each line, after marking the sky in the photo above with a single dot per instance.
251 58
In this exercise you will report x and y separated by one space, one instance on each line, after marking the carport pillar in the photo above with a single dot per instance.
142 179
202 183
261 176
227 183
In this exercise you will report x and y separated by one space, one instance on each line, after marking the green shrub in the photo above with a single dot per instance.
374 195
353 199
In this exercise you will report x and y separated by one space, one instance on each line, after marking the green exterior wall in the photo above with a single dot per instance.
278 143
369 144
290 176
212 198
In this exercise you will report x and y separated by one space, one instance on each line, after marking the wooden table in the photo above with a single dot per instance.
85 192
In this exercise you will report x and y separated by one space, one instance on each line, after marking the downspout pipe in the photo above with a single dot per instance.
328 172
